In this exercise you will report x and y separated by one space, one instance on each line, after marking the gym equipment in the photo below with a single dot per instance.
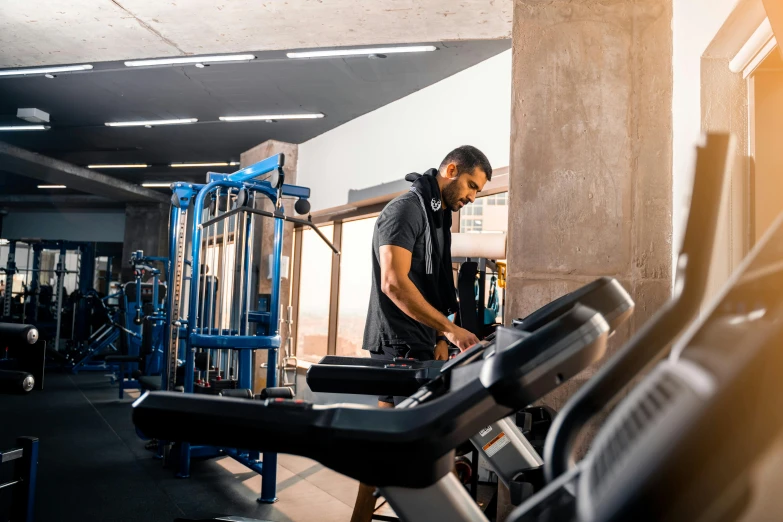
16 382
520 466
41 304
22 358
18 333
210 313
478 388
142 306
25 474
557 500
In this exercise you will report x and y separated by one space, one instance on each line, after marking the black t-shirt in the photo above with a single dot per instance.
402 223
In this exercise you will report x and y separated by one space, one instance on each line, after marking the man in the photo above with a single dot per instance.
412 291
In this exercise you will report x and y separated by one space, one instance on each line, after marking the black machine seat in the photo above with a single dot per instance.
347 438
366 376
149 382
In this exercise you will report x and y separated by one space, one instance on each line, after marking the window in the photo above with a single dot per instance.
487 214
355 284
315 279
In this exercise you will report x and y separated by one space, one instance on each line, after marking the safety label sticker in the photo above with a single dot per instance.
485 431
496 444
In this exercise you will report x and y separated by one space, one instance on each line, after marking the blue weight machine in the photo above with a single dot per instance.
214 320
142 307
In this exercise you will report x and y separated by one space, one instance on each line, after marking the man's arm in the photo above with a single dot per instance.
396 285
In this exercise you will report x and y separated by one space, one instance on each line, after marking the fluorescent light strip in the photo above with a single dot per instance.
119 166
45 70
362 52
150 123
24 127
215 164
51 186
191 60
265 117
155 185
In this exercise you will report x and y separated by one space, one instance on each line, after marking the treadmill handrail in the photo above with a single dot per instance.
714 158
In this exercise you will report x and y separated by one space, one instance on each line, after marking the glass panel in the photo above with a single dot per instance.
314 291
355 284
487 214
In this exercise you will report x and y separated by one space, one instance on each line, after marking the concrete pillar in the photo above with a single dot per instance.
590 174
146 228
264 236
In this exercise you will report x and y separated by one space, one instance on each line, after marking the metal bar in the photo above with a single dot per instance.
9 283
59 300
274 215
334 293
296 278
258 169
35 283
223 256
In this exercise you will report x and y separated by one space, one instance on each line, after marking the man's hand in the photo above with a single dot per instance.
442 351
461 338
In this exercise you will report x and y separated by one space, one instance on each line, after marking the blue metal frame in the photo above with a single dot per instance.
191 336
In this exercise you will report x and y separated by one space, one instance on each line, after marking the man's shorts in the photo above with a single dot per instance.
418 352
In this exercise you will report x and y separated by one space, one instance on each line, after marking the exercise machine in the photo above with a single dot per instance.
30 296
23 479
520 467
476 389
21 359
143 310
668 450
214 320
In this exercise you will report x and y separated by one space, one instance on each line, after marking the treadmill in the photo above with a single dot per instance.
407 452
503 445
687 442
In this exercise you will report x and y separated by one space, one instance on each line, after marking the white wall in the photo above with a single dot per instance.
695 23
71 226
473 107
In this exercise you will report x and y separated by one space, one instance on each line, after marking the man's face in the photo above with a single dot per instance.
462 189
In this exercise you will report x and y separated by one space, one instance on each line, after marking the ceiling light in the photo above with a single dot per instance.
191 60
156 185
362 52
150 123
51 186
215 164
44 70
268 117
119 166
24 127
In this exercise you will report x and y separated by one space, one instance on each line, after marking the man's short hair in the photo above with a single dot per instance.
467 158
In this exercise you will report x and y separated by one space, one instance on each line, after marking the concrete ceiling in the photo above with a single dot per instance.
46 32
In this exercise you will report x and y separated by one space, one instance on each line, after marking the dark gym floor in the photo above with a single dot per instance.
93 467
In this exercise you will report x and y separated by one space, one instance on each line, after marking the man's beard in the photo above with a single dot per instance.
450 198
